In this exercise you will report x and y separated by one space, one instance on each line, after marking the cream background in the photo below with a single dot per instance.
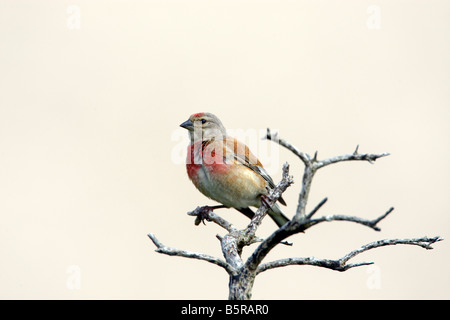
88 136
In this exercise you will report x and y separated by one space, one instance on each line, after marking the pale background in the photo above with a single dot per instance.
91 98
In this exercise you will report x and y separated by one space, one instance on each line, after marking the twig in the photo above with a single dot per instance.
423 242
336 217
274 137
188 254
310 261
321 203
355 156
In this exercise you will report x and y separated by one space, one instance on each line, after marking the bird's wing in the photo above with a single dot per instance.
241 153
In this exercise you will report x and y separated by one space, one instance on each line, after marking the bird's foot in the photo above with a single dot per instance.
202 213
265 200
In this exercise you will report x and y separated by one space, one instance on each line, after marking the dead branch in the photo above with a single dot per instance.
188 254
242 274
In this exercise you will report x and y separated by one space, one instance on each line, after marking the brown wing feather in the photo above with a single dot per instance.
244 156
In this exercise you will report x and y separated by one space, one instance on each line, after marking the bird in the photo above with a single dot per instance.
225 170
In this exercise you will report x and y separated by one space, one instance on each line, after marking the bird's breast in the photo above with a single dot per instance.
227 182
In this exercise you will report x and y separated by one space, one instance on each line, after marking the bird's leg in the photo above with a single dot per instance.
265 199
203 213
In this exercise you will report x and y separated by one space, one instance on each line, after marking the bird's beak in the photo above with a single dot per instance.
187 124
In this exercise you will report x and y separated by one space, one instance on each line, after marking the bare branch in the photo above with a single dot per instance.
308 175
188 254
242 275
274 137
311 166
321 203
341 264
355 156
336 217
258 239
310 261
423 242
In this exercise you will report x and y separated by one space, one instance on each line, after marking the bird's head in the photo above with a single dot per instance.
204 126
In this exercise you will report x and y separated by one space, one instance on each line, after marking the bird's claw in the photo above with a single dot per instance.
203 214
266 200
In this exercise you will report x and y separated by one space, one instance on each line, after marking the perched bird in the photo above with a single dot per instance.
224 169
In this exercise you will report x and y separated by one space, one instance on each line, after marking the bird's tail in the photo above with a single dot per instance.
277 215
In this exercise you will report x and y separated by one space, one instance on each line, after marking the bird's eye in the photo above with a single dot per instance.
203 121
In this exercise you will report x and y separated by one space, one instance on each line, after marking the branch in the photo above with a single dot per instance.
307 175
274 137
188 254
310 261
319 205
294 227
301 221
232 251
312 165
341 264
355 156
336 217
